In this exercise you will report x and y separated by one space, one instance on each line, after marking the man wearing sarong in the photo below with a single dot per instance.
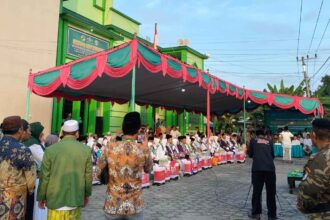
66 176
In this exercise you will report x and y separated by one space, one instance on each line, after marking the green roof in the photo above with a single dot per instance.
125 16
187 48
80 20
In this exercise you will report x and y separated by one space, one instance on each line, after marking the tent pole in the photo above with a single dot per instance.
208 115
133 90
27 111
27 108
244 115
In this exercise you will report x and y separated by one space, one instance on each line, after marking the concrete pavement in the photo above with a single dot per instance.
217 193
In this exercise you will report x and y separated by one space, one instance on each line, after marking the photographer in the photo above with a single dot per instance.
263 172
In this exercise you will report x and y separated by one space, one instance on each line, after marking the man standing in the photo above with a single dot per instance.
66 176
286 136
314 190
263 172
126 161
34 143
17 170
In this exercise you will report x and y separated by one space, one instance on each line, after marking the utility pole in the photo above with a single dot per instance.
305 71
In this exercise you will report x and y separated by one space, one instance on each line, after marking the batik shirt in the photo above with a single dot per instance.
17 177
126 160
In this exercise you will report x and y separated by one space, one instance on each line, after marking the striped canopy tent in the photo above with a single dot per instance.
136 72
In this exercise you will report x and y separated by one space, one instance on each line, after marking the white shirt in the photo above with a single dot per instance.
308 142
66 208
295 142
175 134
286 138
37 153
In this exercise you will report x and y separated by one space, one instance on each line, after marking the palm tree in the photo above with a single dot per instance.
298 91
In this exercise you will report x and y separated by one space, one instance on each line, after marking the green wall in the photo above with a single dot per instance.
91 9
124 22
193 59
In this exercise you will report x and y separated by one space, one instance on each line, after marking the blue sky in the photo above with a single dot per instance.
250 42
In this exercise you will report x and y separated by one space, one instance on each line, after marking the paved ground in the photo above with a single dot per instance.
218 193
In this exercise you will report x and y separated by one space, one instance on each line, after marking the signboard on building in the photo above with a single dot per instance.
80 44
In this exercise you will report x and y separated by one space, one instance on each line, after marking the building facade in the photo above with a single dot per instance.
98 21
28 40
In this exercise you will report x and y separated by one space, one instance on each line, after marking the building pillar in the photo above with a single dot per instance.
54 116
85 117
76 105
150 116
59 118
92 117
168 118
106 117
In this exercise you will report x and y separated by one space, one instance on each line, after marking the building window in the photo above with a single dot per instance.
99 4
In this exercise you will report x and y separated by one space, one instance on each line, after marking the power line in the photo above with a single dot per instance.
325 30
253 49
253 61
301 7
317 21
321 67
316 79
238 41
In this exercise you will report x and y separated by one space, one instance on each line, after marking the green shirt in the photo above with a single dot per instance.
66 174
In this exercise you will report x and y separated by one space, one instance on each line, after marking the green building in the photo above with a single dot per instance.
89 26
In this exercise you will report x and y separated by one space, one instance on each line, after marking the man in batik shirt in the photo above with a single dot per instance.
17 170
126 161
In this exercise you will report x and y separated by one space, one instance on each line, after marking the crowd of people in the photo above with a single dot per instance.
167 147
52 177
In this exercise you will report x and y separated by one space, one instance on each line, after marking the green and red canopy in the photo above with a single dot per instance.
161 80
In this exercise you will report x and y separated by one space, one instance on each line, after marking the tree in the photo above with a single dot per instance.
298 91
227 122
323 93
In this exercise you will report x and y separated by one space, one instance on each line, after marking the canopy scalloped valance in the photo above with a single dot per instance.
160 78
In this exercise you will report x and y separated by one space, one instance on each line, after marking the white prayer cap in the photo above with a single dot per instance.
70 126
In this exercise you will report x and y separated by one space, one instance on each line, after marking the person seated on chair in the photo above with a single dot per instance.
203 143
153 149
308 145
196 144
189 145
160 149
183 152
233 145
295 140
214 145
221 141
226 142
163 140
171 149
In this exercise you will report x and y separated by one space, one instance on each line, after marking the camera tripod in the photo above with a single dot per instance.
247 197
